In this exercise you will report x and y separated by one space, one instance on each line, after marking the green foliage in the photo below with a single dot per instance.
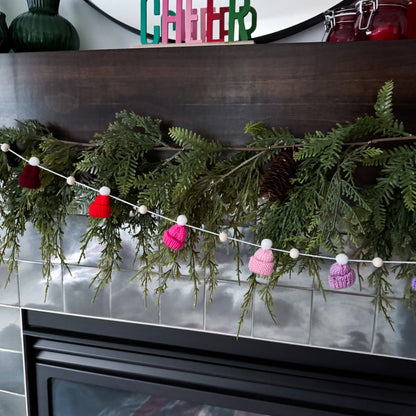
46 208
327 209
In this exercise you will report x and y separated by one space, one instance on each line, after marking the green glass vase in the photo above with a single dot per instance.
4 34
42 29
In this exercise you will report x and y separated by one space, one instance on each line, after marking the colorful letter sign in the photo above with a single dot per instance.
193 25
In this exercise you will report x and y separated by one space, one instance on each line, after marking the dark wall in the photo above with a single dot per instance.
213 90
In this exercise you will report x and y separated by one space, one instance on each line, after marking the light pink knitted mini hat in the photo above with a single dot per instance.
262 261
341 275
175 236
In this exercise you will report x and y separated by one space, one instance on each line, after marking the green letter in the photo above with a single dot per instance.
239 17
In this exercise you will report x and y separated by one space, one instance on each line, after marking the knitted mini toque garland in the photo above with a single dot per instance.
262 262
341 275
29 178
101 207
175 236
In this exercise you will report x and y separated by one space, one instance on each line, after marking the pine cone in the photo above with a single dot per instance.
276 180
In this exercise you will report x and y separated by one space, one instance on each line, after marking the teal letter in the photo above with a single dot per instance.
143 23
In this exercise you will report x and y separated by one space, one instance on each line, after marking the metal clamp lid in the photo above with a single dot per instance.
366 9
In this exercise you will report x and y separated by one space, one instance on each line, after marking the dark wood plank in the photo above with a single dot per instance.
213 90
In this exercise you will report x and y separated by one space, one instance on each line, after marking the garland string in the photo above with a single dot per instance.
377 262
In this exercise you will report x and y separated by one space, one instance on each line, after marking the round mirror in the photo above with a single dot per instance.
271 20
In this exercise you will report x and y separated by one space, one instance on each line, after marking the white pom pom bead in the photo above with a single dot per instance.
223 237
34 161
105 190
70 180
143 209
341 259
266 244
5 147
182 220
294 253
377 262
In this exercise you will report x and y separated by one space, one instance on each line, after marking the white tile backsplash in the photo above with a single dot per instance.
11 376
12 404
10 328
346 320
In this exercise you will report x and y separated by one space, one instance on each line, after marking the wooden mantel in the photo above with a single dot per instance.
212 90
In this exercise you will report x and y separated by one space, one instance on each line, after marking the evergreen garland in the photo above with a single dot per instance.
325 209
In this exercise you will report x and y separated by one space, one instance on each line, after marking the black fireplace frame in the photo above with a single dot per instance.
253 375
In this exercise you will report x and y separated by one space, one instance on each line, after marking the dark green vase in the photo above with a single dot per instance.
4 34
43 29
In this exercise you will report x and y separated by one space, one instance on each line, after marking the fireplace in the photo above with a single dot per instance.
78 366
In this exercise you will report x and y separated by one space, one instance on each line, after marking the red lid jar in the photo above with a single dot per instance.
382 19
340 25
411 20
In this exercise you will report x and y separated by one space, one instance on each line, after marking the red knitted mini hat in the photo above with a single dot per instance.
29 178
175 236
101 208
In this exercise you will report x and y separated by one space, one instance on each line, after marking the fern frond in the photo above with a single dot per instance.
384 105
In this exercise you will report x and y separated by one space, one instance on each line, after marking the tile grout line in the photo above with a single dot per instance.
63 291
110 294
24 362
310 318
204 311
18 285
159 302
8 350
12 393
252 316
373 336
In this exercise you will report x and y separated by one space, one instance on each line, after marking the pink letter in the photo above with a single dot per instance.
191 19
176 19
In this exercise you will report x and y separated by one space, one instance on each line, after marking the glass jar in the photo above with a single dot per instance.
382 19
340 24
411 20
4 34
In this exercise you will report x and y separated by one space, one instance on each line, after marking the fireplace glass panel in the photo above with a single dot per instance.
79 399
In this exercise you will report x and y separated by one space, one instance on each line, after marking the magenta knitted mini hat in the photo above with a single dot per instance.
175 236
262 261
341 275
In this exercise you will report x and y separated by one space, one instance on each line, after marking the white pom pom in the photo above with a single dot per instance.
143 209
377 262
266 244
294 253
5 147
341 259
223 237
34 161
182 220
105 190
70 180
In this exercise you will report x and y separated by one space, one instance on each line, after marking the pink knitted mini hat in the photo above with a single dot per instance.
262 261
341 275
175 236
